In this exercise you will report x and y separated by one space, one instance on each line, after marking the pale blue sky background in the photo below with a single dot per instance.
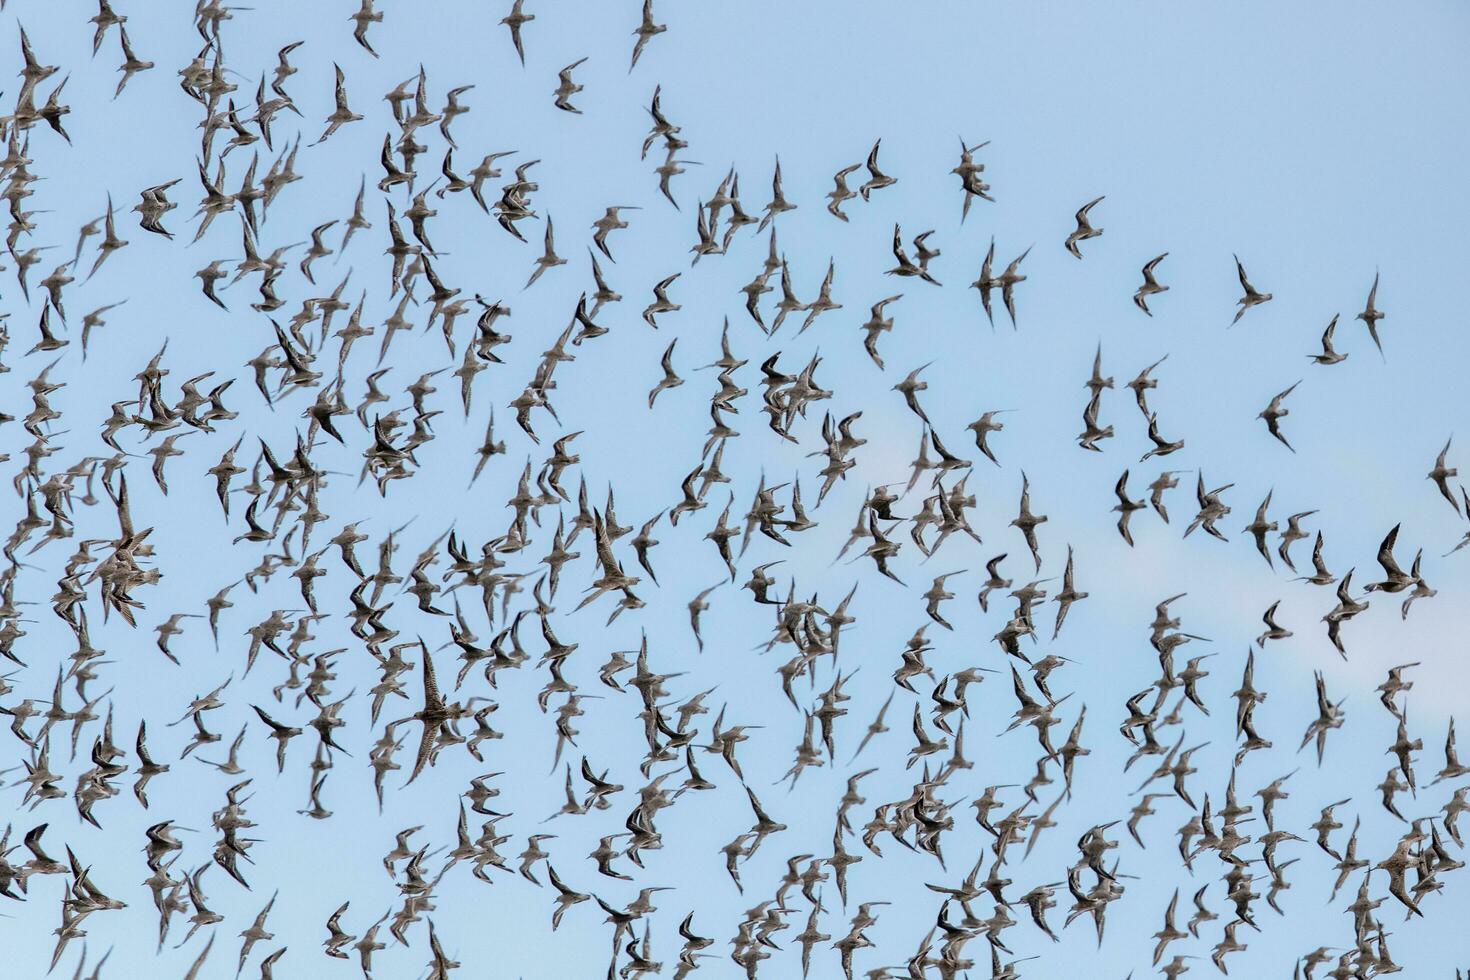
1318 144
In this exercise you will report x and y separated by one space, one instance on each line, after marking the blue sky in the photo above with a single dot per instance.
1321 150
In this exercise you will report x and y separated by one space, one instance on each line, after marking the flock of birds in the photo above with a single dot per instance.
486 610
